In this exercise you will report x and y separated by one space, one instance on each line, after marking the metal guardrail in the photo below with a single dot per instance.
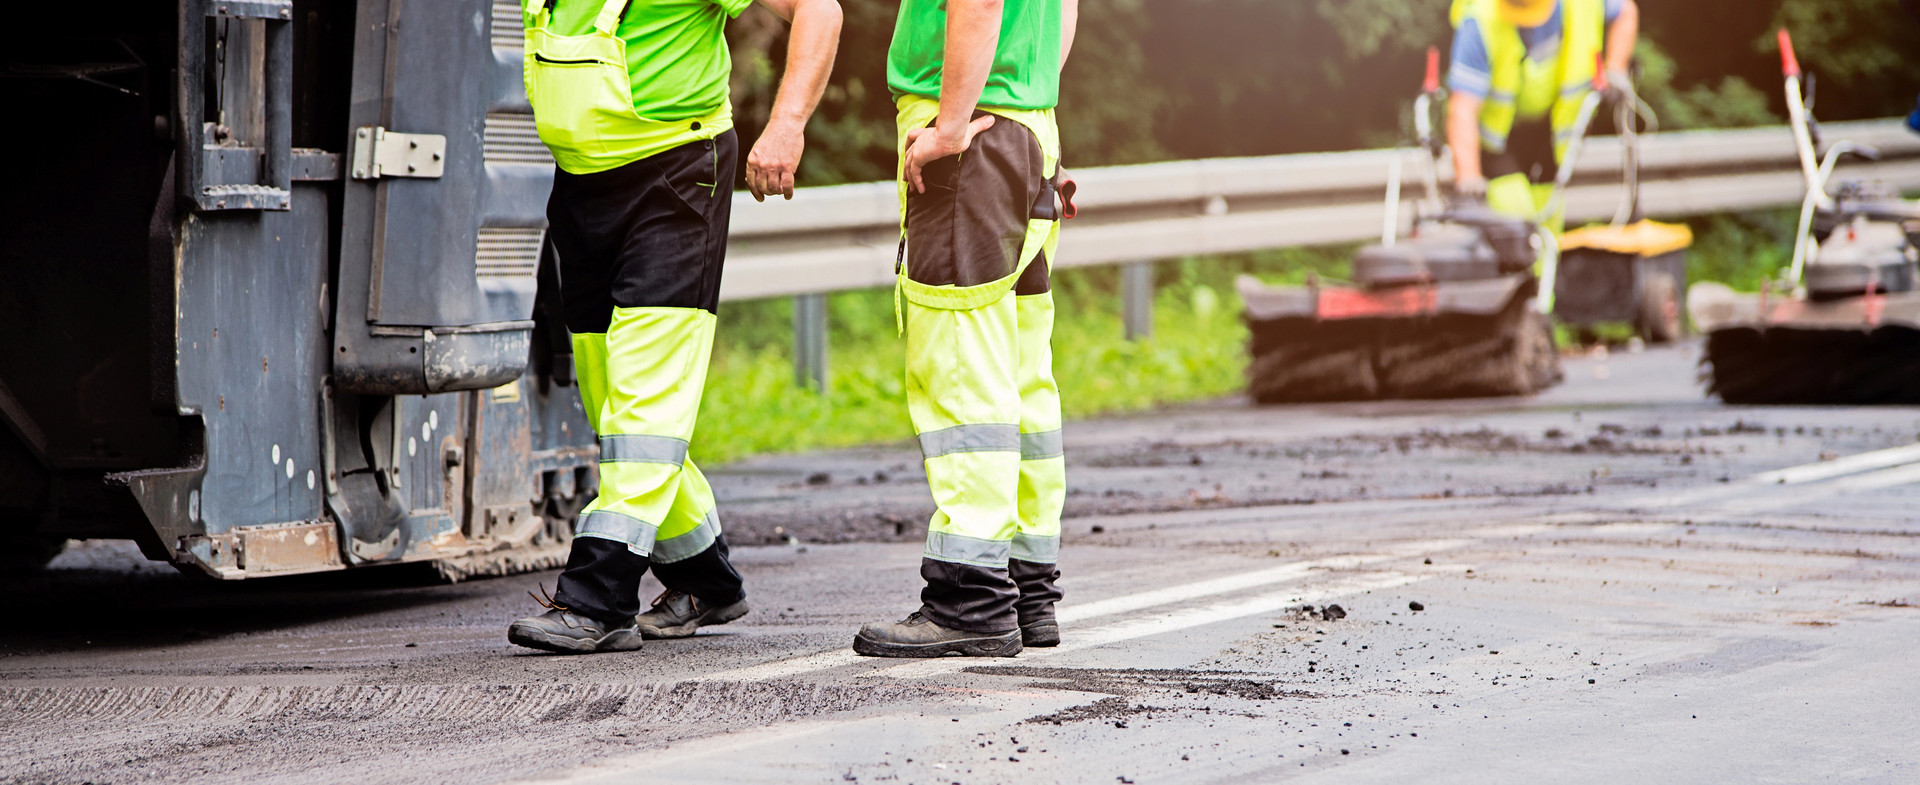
840 238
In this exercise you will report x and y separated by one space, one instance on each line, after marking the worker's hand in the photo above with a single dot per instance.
1619 88
926 145
1470 189
775 159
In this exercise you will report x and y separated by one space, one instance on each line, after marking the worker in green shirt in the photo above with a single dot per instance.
632 100
975 84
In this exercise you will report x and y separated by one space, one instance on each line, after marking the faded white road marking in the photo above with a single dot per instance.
1858 483
788 668
1077 640
1838 467
1892 460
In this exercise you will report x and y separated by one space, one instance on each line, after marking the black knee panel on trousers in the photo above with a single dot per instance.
1039 586
968 597
707 575
602 579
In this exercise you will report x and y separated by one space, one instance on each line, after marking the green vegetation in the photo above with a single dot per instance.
1177 79
1198 348
1741 250
1198 351
1180 79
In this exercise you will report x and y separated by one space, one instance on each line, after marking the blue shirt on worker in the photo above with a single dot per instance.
1472 71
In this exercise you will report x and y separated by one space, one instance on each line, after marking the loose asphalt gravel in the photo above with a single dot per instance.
1611 582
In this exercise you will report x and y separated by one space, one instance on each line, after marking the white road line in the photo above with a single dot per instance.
1231 583
1804 474
1176 621
788 668
1852 464
1859 483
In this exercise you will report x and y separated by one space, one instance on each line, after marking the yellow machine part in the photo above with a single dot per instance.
1641 238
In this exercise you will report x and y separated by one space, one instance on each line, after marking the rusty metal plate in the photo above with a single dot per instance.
288 547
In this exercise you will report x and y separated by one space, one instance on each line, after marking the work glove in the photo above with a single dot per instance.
1619 88
1470 190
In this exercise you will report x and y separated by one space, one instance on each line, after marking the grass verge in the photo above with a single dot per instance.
1197 351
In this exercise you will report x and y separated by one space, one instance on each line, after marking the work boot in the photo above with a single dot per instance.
677 614
562 630
919 636
1041 634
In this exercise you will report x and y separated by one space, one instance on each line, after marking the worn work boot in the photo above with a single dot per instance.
1041 634
677 614
564 631
918 636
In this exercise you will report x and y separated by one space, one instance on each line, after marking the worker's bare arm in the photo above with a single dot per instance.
814 41
1069 21
973 33
1622 36
1463 135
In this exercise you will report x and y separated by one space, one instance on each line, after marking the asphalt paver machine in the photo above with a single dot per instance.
276 294
1452 309
1843 325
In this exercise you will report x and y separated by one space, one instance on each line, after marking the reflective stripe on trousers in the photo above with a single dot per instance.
982 395
641 383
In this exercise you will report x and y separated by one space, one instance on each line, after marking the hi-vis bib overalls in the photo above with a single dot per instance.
978 315
638 217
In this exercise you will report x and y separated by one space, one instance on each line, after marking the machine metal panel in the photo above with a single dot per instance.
251 357
423 256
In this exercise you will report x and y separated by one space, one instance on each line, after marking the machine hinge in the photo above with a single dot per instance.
378 152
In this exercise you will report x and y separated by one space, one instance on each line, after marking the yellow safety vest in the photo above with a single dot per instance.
583 100
1524 87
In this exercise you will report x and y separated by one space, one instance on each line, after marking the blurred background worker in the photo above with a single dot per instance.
1520 70
1913 10
975 83
633 101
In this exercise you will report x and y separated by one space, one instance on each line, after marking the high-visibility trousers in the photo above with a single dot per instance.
641 248
978 314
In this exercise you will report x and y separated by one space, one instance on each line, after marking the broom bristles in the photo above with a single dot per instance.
1428 357
1807 365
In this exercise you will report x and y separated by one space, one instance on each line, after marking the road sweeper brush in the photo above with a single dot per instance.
1452 309
1843 327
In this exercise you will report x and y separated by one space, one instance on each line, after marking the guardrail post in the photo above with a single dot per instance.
810 341
1136 299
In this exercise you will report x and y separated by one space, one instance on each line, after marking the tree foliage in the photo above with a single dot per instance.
1162 79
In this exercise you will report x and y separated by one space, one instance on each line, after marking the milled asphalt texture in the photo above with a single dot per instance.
1608 594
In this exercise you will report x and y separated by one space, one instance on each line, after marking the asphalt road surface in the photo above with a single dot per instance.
1621 582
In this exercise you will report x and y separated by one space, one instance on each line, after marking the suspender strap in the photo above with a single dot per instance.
610 16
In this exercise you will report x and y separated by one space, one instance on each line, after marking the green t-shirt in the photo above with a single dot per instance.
676 51
1026 67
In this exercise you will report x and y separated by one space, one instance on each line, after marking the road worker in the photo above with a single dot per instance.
975 83
1520 70
1913 10
633 101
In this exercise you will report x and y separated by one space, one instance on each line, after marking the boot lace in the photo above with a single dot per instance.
668 595
546 600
